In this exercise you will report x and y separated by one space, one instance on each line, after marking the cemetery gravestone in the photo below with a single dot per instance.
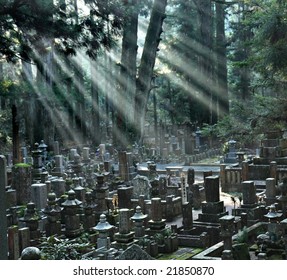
21 182
142 186
212 208
3 219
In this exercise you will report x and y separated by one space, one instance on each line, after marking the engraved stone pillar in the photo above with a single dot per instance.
24 238
3 219
39 195
21 182
190 176
58 186
124 238
249 193
212 188
13 241
86 154
56 148
59 167
187 218
223 178
227 230
156 210
125 194
156 224
273 170
270 194
245 170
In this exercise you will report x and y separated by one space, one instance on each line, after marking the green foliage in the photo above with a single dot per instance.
240 251
5 138
27 25
242 236
249 120
54 248
270 37
22 165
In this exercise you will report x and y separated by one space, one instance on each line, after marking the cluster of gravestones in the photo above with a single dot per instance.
81 193
118 208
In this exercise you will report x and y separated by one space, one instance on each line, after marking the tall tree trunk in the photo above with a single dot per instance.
80 125
95 122
245 75
128 60
127 81
2 99
28 104
145 74
15 135
155 118
44 124
205 27
222 83
80 122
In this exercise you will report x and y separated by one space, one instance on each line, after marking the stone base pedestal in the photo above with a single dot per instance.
53 228
212 212
124 246
212 207
156 225
254 213
124 237
211 218
269 201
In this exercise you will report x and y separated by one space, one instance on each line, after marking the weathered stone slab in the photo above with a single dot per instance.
135 253
3 227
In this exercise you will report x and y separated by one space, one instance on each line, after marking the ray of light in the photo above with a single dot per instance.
194 80
55 113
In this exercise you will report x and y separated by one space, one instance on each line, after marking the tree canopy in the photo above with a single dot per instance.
101 70
26 25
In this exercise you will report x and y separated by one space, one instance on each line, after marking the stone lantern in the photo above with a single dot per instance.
138 219
78 189
77 164
104 228
100 193
152 175
273 215
273 225
53 213
89 211
72 208
43 149
31 219
37 162
197 138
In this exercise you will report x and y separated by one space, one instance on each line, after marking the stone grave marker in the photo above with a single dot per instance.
39 195
3 219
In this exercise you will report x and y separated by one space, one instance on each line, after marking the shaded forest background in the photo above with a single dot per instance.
91 72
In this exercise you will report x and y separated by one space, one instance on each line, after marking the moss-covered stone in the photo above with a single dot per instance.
22 165
240 251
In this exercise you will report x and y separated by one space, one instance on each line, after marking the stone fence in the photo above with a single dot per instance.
202 155
232 176
215 252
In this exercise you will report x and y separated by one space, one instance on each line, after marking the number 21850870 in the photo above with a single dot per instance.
190 270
